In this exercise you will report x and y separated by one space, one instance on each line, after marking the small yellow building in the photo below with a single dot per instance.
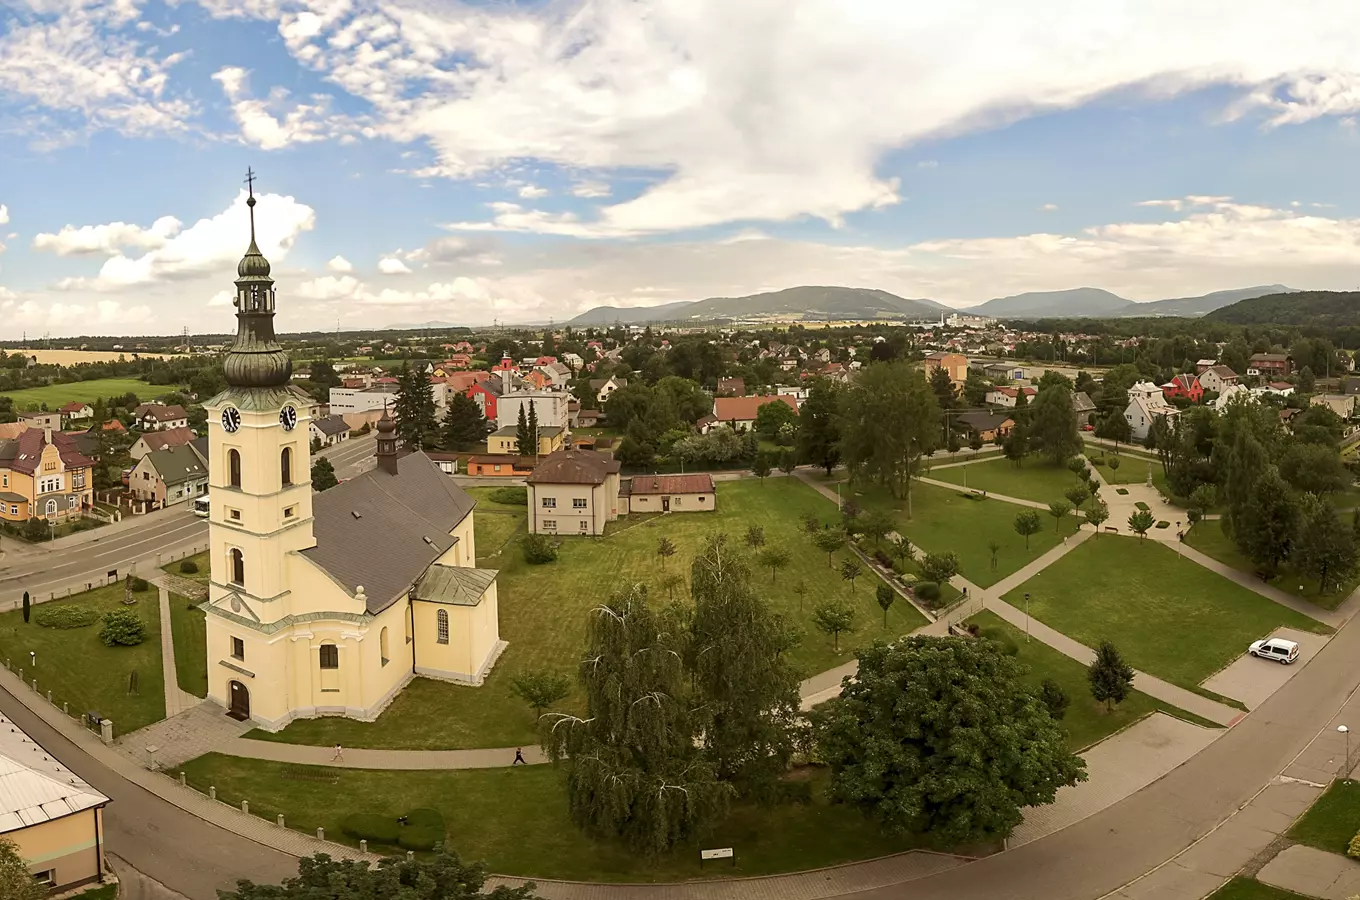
574 492
671 493
330 603
505 441
54 818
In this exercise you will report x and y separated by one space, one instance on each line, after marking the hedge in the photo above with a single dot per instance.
58 616
927 591
1353 851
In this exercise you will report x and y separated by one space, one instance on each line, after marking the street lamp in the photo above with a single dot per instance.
1026 617
1346 766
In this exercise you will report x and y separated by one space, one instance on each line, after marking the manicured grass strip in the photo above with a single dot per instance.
1333 820
1038 479
78 669
189 630
543 614
517 820
1086 721
1170 617
202 576
58 395
942 521
1208 538
1241 888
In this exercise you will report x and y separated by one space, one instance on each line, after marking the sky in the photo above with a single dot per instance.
470 163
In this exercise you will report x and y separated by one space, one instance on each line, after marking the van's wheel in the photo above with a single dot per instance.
1284 662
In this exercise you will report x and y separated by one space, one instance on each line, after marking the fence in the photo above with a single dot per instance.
112 576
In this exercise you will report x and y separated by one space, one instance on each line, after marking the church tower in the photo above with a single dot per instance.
259 477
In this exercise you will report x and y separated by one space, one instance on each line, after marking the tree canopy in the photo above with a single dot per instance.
441 876
889 420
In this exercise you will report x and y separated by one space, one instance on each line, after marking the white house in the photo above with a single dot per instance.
1147 403
1231 394
603 387
159 417
329 431
1215 378
1276 388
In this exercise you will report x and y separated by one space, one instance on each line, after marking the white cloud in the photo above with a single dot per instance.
4 214
390 265
590 189
1048 207
108 239
277 122
221 298
532 192
340 264
928 164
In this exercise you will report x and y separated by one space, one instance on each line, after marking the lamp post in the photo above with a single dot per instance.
1026 617
1346 766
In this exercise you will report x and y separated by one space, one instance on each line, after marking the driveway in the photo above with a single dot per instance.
1252 680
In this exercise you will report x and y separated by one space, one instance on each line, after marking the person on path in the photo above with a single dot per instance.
519 758
339 755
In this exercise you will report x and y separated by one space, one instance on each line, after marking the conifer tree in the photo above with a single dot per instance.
532 423
522 439
464 424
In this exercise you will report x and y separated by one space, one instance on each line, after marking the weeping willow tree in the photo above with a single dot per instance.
634 770
748 692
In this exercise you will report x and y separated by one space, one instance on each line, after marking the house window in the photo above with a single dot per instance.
498 467
234 515
330 656
238 567
441 619
289 512
286 466
703 499
585 525
72 502
49 484
382 646
13 510
238 648
51 507
234 468
48 878
550 503
78 479
550 524
675 501
578 503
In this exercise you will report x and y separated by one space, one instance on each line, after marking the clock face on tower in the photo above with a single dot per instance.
288 418
231 419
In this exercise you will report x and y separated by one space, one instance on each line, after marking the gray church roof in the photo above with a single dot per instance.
383 531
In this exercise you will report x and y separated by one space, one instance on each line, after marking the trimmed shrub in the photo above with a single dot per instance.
907 577
927 591
369 827
510 496
1163 524
538 549
56 615
139 585
425 818
1121 492
1353 851
188 567
883 559
1143 506
122 628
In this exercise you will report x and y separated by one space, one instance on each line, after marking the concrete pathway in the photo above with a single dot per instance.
203 727
990 495
1313 872
355 758
176 700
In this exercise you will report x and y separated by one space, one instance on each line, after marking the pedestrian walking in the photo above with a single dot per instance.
338 755
519 758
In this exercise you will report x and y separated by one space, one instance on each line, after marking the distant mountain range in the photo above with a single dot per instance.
1323 309
1097 303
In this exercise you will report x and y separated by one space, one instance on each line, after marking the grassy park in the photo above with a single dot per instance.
79 670
1169 616
1087 720
188 629
58 395
543 613
517 820
1038 479
1208 538
1333 820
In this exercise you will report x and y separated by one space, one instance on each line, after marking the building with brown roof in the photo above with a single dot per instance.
672 493
574 492
954 364
159 417
43 474
739 413
160 440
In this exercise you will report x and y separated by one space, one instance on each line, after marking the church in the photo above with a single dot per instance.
327 604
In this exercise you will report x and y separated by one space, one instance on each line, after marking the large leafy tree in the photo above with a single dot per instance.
633 770
943 386
441 876
1314 468
323 474
819 432
890 420
772 416
1323 547
746 692
464 424
1053 423
15 881
1264 528
940 736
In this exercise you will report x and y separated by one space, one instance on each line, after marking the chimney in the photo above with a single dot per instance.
47 432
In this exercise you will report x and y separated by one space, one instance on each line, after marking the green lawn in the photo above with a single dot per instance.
543 616
1333 820
1086 721
1208 538
1169 617
1038 479
943 521
189 629
201 560
58 395
1241 888
78 669
494 524
517 820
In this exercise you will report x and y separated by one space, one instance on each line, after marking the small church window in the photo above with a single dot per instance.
330 656
234 467
382 646
238 567
442 623
286 466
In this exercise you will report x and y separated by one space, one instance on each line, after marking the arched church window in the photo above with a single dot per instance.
286 465
441 619
234 468
238 567
382 646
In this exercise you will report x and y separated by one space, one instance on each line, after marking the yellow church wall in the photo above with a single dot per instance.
474 640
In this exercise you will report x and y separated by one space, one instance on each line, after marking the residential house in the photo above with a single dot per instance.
1216 378
603 387
11 430
506 465
1273 388
1187 386
557 374
1231 394
505 441
739 413
485 394
550 407
329 431
537 380
954 364
573 361
75 411
42 420
169 476
1344 405
53 817
589 418
459 382
159 417
1204 365
987 425
671 493
160 440
1273 365
573 492
459 361
1007 396
1147 403
731 387
43 474
1084 407
111 425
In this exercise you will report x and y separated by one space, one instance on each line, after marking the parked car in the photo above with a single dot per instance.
1278 649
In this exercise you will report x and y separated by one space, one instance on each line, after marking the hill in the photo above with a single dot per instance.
808 302
1205 303
1315 308
1085 301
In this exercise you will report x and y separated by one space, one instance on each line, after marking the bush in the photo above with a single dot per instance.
1054 697
1143 506
927 591
906 577
369 827
1123 492
1163 524
538 549
1003 641
188 567
35 530
57 615
425 818
139 585
511 496
883 559
122 628
799 792
1353 851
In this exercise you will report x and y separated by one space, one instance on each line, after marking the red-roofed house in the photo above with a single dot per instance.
160 440
670 493
1187 386
44 475
740 412
1006 396
76 411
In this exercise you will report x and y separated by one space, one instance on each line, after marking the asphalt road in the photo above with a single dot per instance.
353 457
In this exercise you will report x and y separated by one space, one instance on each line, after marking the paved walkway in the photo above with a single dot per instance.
1032 504
1335 618
1313 873
176 700
355 758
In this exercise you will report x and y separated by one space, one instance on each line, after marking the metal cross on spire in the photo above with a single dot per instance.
250 200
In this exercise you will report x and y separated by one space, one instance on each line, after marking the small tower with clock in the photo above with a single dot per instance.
260 493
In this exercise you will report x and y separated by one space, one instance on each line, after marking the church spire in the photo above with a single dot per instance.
255 358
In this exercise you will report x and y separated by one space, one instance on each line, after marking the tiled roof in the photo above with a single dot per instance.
160 413
22 454
672 484
744 409
983 420
174 437
1082 402
34 787
1268 357
74 406
383 531
573 467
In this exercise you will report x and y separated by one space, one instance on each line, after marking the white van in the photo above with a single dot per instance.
1278 649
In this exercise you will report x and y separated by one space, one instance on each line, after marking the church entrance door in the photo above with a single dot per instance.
240 701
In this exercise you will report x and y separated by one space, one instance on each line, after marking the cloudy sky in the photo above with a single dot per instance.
427 160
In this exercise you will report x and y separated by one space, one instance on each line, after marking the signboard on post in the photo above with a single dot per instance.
720 853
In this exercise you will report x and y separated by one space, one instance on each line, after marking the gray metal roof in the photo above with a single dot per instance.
177 465
34 787
383 531
458 585
331 425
